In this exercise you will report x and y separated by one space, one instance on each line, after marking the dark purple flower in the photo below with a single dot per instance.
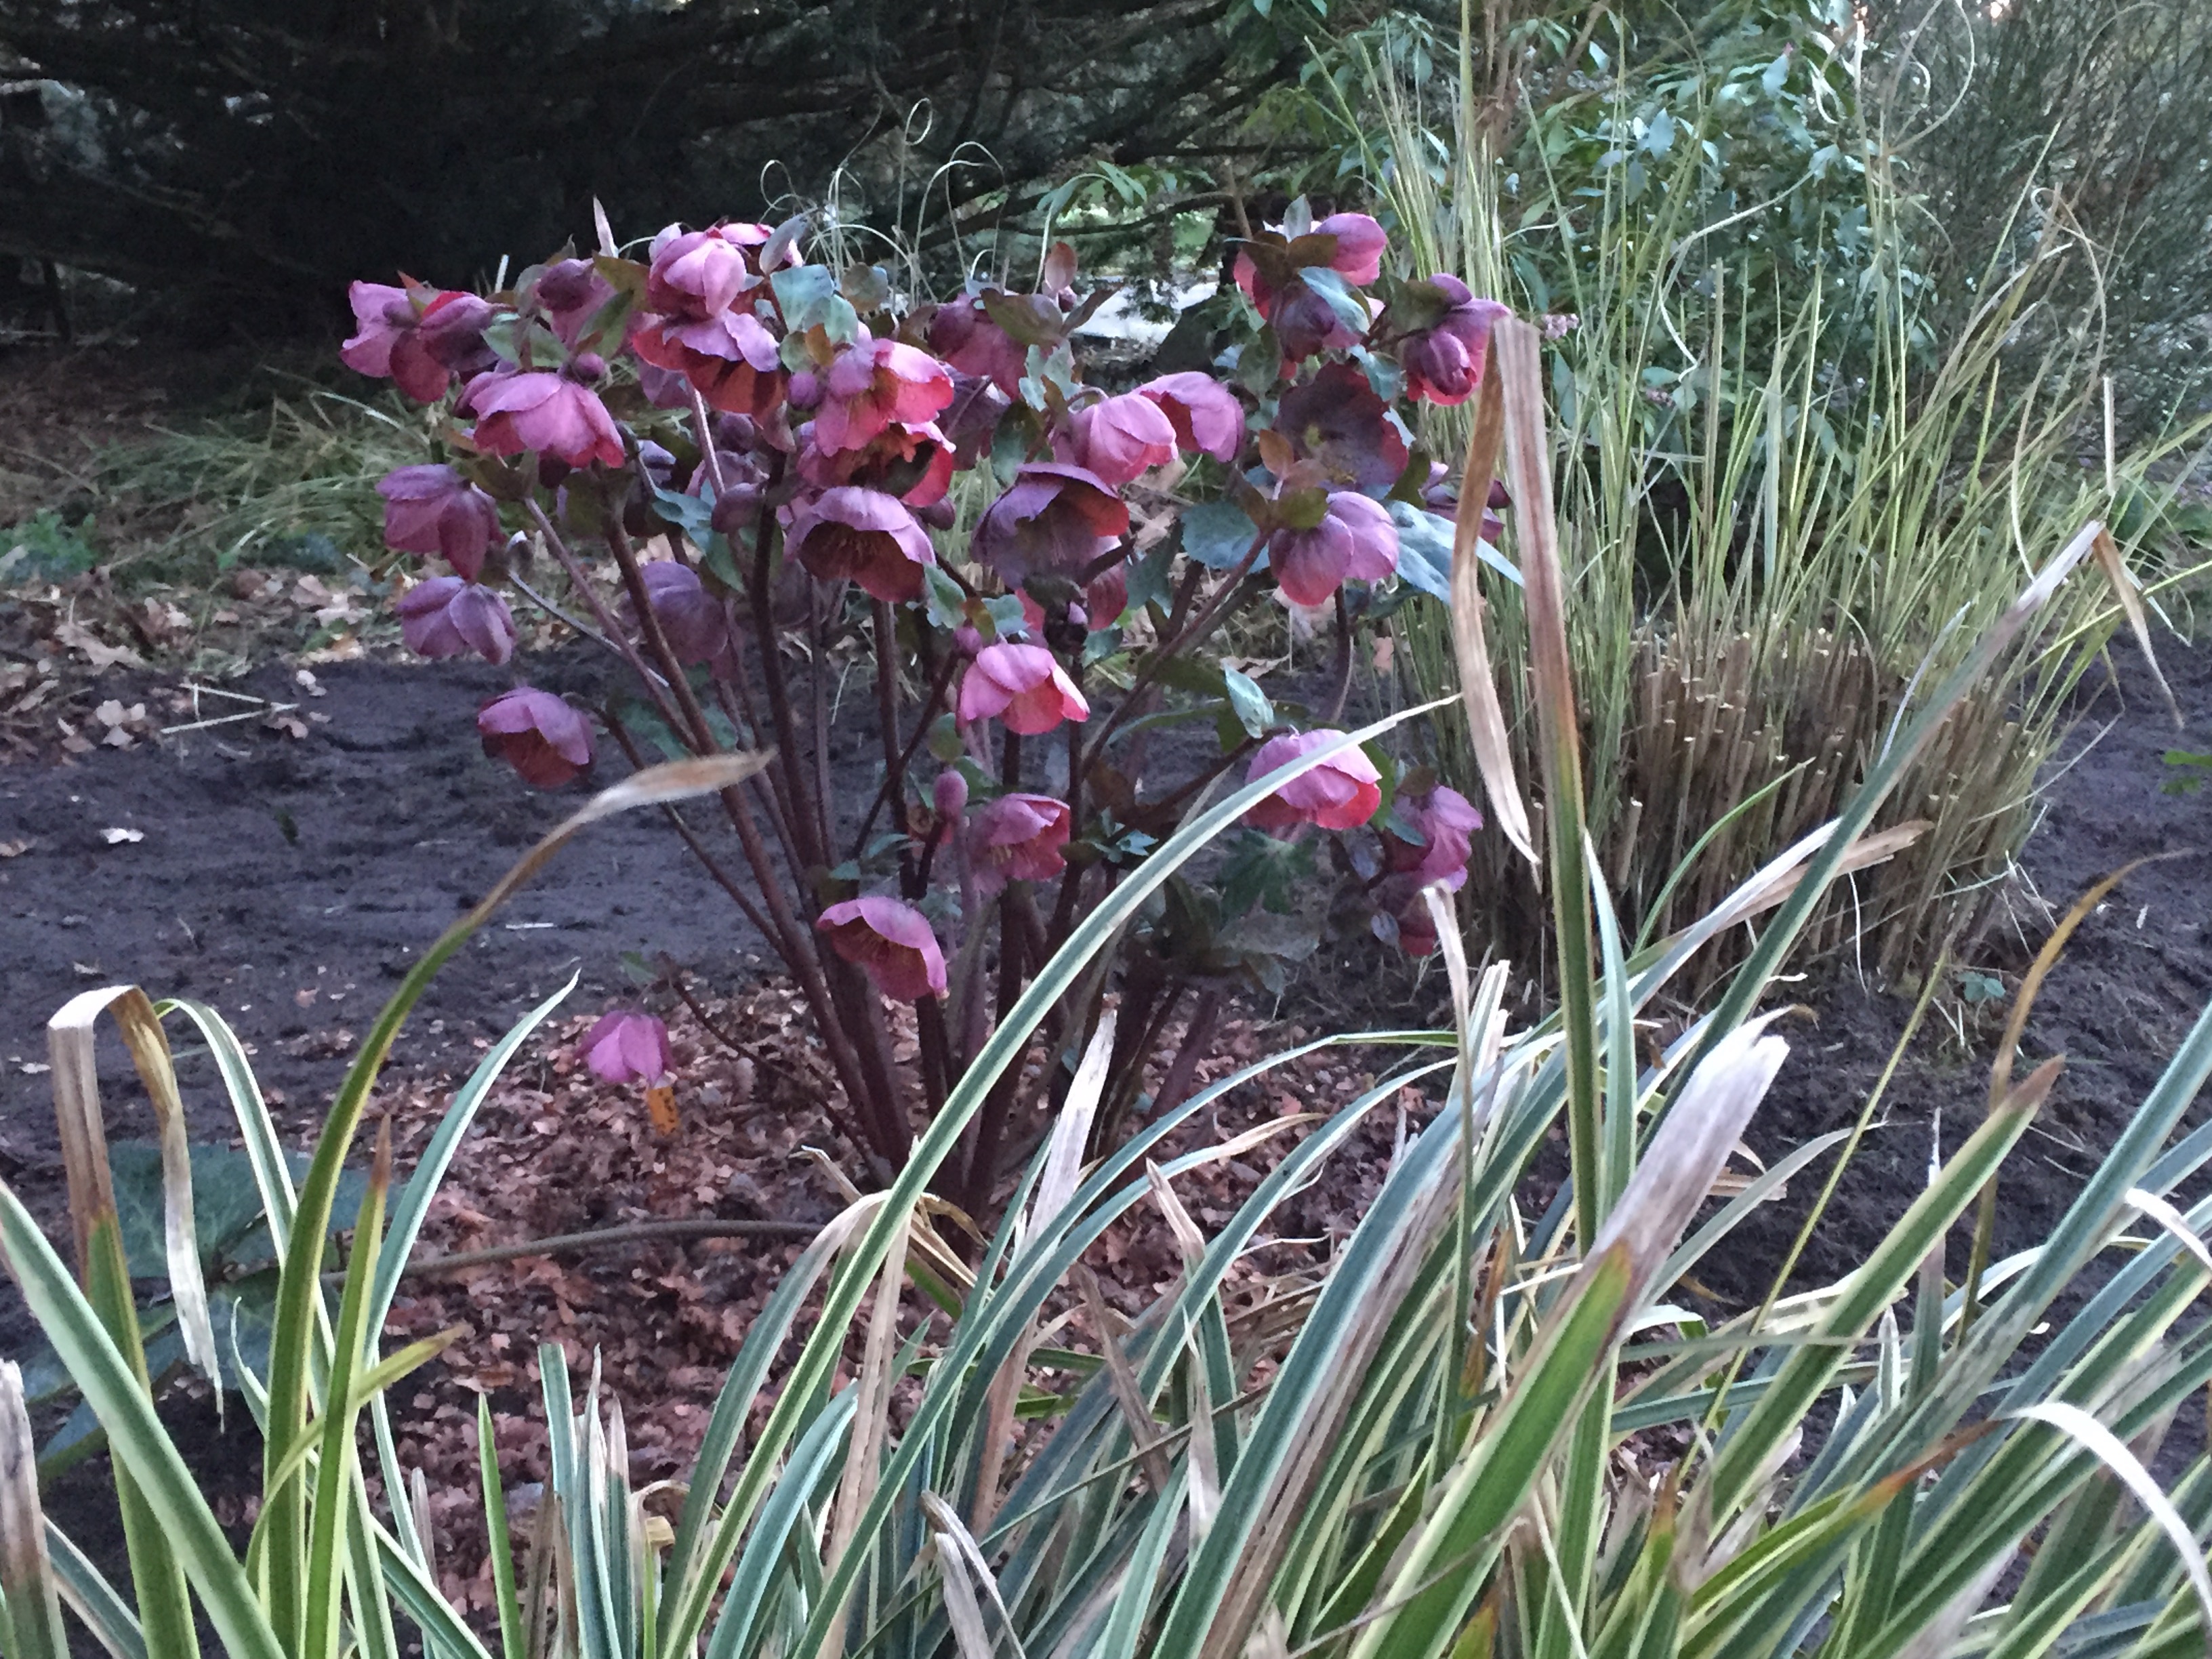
963 334
448 616
542 738
1057 518
691 619
891 942
1336 419
1268 271
1121 439
571 292
865 536
1447 821
1444 359
433 509
1206 417
417 336
626 1047
1355 541
546 412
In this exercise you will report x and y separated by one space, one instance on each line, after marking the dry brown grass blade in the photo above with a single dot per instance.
1143 1431
1703 1123
71 1052
1779 878
1485 716
27 1575
1187 1237
871 1418
1056 1184
2030 983
2124 589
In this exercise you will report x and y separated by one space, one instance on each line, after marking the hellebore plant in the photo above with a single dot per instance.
741 466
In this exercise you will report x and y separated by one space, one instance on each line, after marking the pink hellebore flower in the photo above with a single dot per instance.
1120 439
914 463
543 412
1340 793
730 357
1206 417
1303 321
1448 820
1355 541
889 941
1443 363
874 383
418 338
433 509
1359 246
1022 685
691 619
626 1047
1056 518
543 739
965 335
697 273
448 616
1019 838
866 536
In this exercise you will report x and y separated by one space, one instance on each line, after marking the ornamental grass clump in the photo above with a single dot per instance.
1476 1425
752 478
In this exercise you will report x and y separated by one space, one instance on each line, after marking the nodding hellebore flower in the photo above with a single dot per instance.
433 509
889 941
623 1046
451 617
1349 244
693 326
1204 414
691 619
1444 359
418 338
914 463
1336 420
1121 439
553 413
1057 519
1355 541
874 383
966 335
865 536
1446 820
1340 793
543 739
1022 685
1019 838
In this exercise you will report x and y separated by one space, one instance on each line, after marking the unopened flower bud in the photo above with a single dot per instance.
735 432
736 507
939 515
588 366
950 793
805 389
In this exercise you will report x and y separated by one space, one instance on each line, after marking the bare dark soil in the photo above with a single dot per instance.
2132 982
